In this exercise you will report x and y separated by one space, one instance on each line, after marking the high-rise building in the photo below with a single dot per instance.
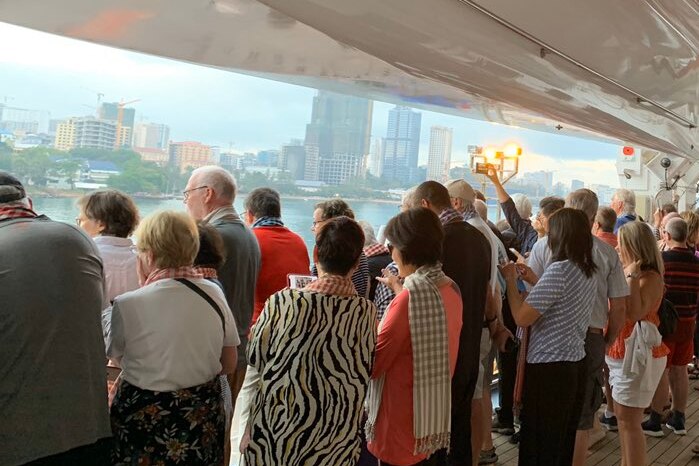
151 135
293 159
19 120
93 133
439 157
401 145
541 177
576 184
375 163
189 154
110 111
65 135
337 138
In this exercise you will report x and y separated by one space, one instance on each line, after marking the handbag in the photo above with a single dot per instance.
668 318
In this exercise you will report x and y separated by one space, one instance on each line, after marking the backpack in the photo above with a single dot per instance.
668 318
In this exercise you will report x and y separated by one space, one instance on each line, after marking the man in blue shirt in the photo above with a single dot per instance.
624 204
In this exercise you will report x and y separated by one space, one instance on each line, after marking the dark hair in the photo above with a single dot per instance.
335 208
339 244
480 195
418 235
570 238
434 193
551 204
263 202
114 209
606 217
668 208
212 252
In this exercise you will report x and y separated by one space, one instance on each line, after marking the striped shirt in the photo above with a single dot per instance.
564 297
682 280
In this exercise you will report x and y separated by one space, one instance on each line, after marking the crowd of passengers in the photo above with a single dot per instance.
384 357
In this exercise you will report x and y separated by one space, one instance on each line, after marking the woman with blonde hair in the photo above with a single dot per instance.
633 388
172 338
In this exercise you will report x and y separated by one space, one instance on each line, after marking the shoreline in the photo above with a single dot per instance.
73 195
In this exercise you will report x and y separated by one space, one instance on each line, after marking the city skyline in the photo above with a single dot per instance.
61 75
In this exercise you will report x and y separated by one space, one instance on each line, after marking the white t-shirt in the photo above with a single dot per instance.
119 258
166 337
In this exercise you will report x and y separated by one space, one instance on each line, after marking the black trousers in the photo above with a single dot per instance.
507 372
96 454
553 399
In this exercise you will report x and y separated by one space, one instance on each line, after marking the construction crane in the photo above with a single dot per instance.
120 118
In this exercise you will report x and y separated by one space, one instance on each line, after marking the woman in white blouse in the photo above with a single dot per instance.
110 217
172 338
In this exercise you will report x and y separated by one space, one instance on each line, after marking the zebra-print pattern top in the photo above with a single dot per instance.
314 353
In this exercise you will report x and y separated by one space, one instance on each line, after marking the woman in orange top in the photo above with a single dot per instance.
643 266
409 399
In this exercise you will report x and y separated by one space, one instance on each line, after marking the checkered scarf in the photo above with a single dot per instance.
206 272
12 211
431 375
268 222
469 214
332 285
375 250
450 215
180 272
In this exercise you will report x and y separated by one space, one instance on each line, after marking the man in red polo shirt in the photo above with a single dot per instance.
283 252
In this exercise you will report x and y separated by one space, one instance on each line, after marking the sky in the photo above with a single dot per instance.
62 78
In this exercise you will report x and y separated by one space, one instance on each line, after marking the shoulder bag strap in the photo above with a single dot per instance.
208 299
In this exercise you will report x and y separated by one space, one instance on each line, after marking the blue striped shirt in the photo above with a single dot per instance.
564 297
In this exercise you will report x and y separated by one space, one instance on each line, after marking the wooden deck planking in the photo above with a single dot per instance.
670 450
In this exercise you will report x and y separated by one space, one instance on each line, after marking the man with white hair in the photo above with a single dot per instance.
624 204
209 197
53 389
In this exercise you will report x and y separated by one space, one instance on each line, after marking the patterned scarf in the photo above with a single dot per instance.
206 272
268 222
469 214
450 215
375 250
12 211
180 272
332 285
431 375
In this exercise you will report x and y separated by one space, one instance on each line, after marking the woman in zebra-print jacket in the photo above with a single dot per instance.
313 351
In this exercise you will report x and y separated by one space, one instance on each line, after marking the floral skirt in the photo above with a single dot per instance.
184 427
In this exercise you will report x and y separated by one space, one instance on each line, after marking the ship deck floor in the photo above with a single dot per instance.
670 450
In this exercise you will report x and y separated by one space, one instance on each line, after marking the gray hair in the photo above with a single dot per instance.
369 235
677 229
585 200
482 209
408 198
219 180
628 198
523 205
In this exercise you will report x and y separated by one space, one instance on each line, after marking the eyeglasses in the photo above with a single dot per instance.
185 194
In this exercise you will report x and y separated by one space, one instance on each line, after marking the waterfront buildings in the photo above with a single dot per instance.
439 156
85 133
151 136
189 154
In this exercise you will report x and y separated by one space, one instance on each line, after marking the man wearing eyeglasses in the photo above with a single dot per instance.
209 197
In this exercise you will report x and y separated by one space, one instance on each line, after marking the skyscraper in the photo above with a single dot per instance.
439 158
110 111
401 145
375 163
151 135
337 138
